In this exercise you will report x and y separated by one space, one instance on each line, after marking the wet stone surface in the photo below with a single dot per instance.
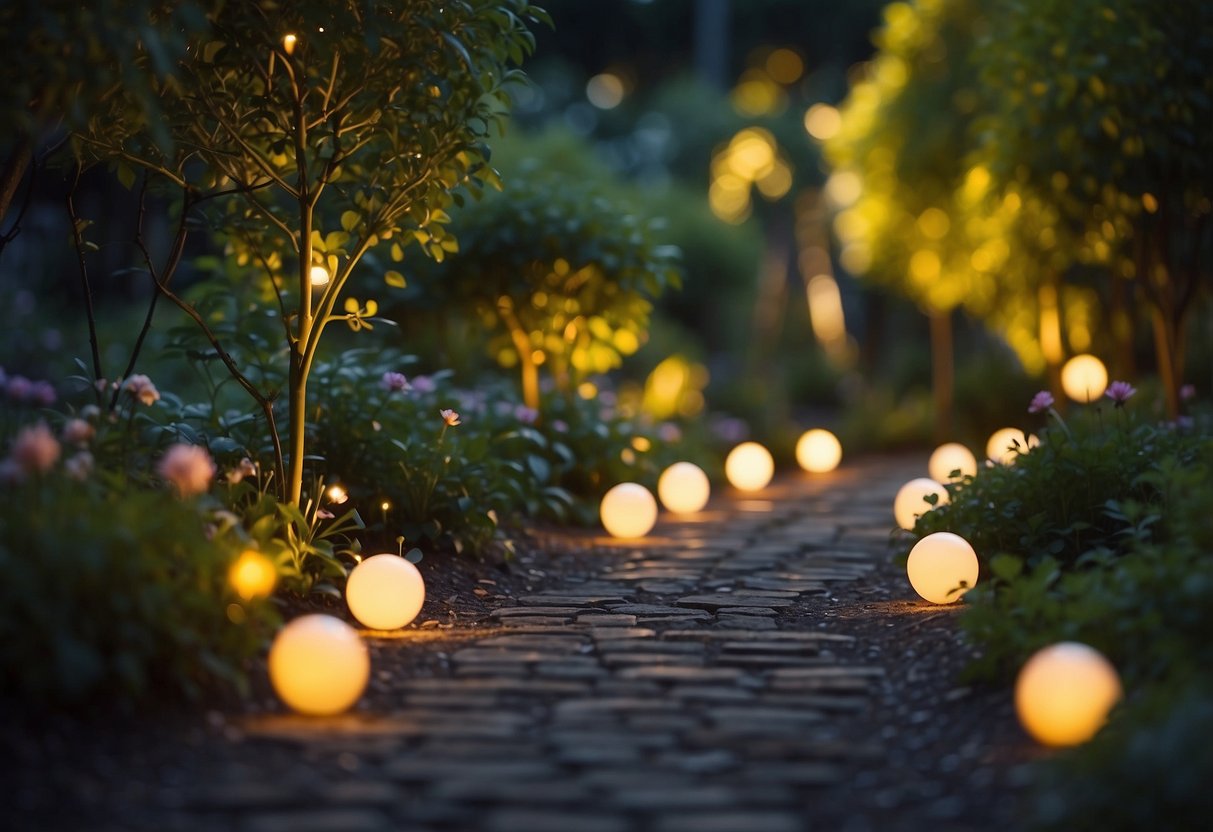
763 667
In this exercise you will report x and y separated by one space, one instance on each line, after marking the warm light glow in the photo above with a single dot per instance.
628 510
818 451
785 66
843 188
822 122
319 276
1064 693
749 467
288 43
910 502
826 313
337 494
605 91
1084 378
318 665
949 457
1006 444
942 567
253 575
684 488
385 592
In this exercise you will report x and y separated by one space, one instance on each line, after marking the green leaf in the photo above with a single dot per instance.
394 279
350 220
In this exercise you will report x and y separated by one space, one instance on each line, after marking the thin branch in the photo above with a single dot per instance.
170 268
84 283
32 165
328 302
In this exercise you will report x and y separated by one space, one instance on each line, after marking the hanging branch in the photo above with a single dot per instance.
10 235
78 240
161 284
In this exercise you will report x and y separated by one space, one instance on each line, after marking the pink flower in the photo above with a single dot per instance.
246 468
78 432
1119 392
324 514
35 450
1041 401
394 382
450 417
1187 392
141 387
18 388
79 466
188 468
560 426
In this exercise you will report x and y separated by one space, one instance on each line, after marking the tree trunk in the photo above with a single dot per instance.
942 371
530 370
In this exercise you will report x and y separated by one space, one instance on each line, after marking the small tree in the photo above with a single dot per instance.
1101 112
564 275
315 132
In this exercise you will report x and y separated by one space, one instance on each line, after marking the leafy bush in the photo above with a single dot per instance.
1096 483
118 593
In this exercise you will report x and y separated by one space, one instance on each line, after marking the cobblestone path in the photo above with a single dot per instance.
701 681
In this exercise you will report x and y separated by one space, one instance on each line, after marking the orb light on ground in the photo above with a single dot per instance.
1064 693
628 510
818 451
949 457
684 488
749 467
253 575
910 502
318 665
942 567
385 592
1084 378
1006 444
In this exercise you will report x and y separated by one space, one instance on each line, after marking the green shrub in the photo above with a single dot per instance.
117 595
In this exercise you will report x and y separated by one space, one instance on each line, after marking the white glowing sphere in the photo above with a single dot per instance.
749 467
818 451
684 488
910 502
942 567
319 275
385 592
318 665
949 457
1064 693
628 510
1084 378
1006 444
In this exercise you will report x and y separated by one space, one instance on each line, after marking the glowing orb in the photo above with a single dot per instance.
949 457
1006 444
684 488
385 592
1084 378
749 467
628 510
942 567
1064 693
910 502
318 665
818 451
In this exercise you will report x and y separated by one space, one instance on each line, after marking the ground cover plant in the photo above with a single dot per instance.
1100 535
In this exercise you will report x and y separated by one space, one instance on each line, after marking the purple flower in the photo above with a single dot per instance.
669 432
1041 401
560 426
1187 392
424 384
1119 392
394 382
19 388
526 415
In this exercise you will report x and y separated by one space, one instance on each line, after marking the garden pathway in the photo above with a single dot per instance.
762 668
